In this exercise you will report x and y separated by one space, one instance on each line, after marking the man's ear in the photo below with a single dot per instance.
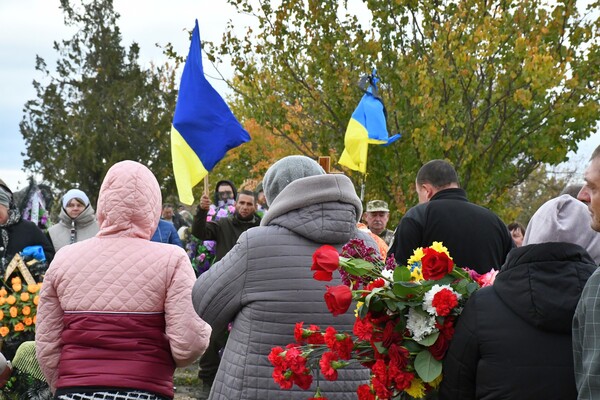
429 190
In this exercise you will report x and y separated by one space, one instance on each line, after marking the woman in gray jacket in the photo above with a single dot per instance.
76 222
265 285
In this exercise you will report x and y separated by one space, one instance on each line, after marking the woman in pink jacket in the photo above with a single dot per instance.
115 316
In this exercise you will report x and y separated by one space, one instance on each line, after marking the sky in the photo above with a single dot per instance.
30 27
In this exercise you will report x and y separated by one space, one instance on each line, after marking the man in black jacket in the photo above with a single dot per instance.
226 231
475 237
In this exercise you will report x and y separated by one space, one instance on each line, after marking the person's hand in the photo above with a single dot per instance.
204 202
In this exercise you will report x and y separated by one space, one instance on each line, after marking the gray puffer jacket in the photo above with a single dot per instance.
265 285
86 227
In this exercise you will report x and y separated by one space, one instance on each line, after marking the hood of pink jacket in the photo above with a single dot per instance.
130 202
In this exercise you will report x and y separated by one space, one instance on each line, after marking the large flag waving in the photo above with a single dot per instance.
204 128
368 124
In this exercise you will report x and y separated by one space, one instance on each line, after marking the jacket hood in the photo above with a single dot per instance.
216 193
542 283
322 208
564 219
86 217
129 203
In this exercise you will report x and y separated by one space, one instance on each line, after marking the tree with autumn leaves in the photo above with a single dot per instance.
496 87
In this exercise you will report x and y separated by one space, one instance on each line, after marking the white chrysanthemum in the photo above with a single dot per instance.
428 298
388 274
419 324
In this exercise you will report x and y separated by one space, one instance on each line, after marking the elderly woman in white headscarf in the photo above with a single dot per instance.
77 220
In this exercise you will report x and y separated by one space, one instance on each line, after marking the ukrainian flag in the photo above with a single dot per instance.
367 125
204 128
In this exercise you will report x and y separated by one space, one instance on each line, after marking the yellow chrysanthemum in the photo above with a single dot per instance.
2 301
24 296
416 274
17 287
3 292
416 257
4 331
436 382
26 310
11 299
359 304
416 389
16 280
440 248
13 312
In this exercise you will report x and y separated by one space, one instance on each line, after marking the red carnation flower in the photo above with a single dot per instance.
444 301
325 260
435 265
327 369
280 378
275 357
363 328
338 299
365 393
303 380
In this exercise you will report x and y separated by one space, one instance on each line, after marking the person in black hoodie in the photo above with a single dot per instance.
513 339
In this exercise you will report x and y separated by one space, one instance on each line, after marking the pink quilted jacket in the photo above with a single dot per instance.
115 310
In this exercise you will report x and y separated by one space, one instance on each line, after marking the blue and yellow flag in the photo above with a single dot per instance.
368 125
204 128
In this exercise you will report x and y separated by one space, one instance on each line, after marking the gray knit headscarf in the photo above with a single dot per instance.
287 170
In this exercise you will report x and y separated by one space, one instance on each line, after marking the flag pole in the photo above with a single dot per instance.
206 185
362 188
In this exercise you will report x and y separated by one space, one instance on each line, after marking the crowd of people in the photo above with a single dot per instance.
123 303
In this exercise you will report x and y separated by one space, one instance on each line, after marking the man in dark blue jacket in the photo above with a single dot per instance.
475 237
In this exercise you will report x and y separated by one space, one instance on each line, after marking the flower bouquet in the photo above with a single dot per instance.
202 252
405 318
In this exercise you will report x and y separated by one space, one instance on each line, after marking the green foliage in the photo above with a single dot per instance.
98 107
497 88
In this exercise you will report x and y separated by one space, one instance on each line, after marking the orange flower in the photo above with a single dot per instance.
33 288
17 287
24 296
26 310
1 314
19 327
16 280
14 311
28 321
2 301
11 299
34 319
4 331
3 292
36 300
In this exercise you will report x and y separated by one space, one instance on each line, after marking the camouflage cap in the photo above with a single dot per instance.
377 205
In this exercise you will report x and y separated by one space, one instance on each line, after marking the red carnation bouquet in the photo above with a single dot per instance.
405 318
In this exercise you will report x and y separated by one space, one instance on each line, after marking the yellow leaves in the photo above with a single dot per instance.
522 97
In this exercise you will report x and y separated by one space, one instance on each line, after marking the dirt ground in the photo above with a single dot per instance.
187 384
